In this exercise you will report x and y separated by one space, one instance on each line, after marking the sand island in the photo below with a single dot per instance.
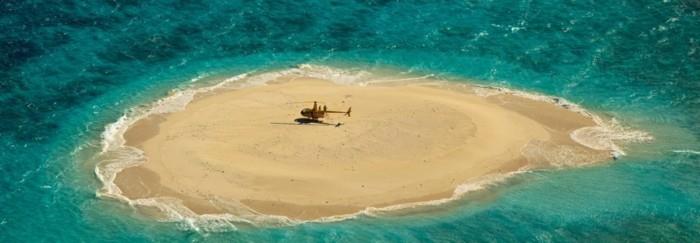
404 143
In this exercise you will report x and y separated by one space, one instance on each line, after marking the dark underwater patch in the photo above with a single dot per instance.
16 51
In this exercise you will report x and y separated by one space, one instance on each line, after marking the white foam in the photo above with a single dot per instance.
116 156
603 136
111 163
686 151
606 133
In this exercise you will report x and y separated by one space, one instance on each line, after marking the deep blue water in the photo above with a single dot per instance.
68 68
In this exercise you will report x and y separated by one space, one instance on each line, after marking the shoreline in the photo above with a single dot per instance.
111 192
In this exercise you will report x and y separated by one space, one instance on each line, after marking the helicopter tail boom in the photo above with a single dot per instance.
347 113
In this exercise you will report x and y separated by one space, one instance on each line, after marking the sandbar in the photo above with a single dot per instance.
403 143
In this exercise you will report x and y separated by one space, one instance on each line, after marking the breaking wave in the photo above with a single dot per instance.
686 151
608 134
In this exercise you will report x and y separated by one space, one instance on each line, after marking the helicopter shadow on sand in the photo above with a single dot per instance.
307 121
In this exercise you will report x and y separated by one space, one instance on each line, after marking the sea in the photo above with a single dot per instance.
70 70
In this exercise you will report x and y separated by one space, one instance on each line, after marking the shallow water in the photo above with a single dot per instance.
69 68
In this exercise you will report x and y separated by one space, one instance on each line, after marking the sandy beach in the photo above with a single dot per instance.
403 143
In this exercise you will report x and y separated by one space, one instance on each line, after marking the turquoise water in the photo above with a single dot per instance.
68 68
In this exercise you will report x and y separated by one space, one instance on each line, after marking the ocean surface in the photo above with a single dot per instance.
69 68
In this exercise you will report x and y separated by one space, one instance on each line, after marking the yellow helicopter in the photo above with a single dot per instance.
317 112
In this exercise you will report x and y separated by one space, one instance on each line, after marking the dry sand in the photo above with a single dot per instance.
403 143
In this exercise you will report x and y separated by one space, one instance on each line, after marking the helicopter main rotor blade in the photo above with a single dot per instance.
306 102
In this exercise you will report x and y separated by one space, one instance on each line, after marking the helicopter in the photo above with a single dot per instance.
317 112
313 115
